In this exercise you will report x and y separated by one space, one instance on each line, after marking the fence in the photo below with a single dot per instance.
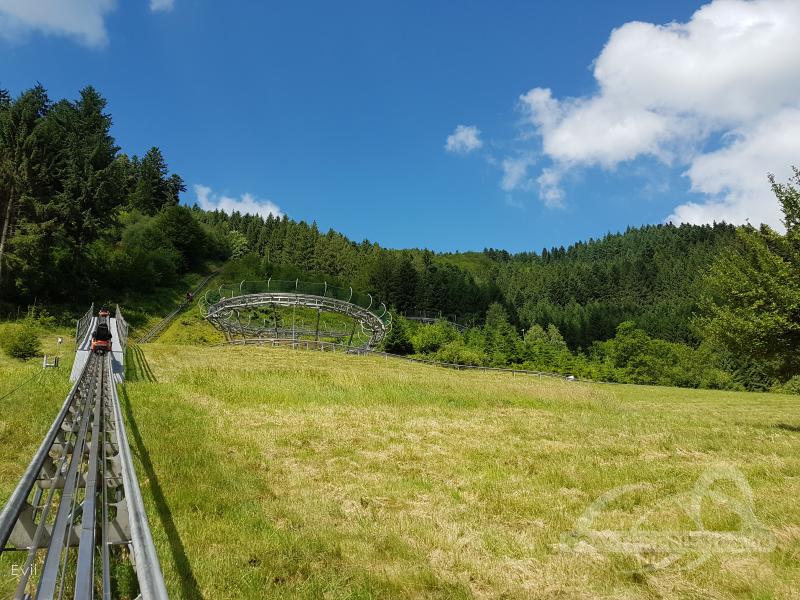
83 325
122 329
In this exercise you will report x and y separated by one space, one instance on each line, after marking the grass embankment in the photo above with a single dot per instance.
145 310
279 473
189 327
25 416
475 263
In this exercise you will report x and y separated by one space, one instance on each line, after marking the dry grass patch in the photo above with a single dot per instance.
279 473
301 474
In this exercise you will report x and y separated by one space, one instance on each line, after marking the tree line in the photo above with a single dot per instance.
80 218
711 306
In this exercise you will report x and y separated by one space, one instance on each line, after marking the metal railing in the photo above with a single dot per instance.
122 329
363 300
223 307
82 327
148 567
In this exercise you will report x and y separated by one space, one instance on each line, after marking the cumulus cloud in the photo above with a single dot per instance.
163 5
515 173
672 91
207 199
550 190
83 20
464 139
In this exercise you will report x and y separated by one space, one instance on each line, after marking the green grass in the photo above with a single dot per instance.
279 473
25 416
189 327
293 474
476 263
143 311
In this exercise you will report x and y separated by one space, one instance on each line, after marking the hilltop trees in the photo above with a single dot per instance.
20 128
151 186
650 275
67 199
752 306
79 218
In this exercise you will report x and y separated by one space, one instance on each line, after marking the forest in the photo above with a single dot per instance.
699 306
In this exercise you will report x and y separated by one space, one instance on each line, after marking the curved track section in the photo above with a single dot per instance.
225 307
79 498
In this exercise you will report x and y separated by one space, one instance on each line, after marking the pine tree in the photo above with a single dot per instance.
26 176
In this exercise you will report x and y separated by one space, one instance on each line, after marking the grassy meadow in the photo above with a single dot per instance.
25 416
294 474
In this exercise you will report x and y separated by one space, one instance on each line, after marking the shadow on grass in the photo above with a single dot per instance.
788 427
189 586
137 368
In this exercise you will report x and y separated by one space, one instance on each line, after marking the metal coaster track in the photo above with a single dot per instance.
223 308
78 498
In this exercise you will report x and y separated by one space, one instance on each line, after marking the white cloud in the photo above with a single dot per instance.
464 139
735 175
669 91
163 5
515 173
79 19
207 199
550 190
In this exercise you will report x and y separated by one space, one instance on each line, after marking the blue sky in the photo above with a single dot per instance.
341 112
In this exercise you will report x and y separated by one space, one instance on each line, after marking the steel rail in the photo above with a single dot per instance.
19 496
65 517
148 568
83 578
375 322
90 472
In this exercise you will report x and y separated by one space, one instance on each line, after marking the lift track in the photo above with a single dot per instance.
78 508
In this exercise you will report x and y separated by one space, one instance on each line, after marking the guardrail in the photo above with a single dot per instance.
224 306
148 568
347 295
82 327
122 329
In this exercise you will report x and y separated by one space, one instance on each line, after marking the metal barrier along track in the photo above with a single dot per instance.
79 501
83 325
159 327
224 311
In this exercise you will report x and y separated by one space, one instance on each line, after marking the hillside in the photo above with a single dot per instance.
88 222
301 474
